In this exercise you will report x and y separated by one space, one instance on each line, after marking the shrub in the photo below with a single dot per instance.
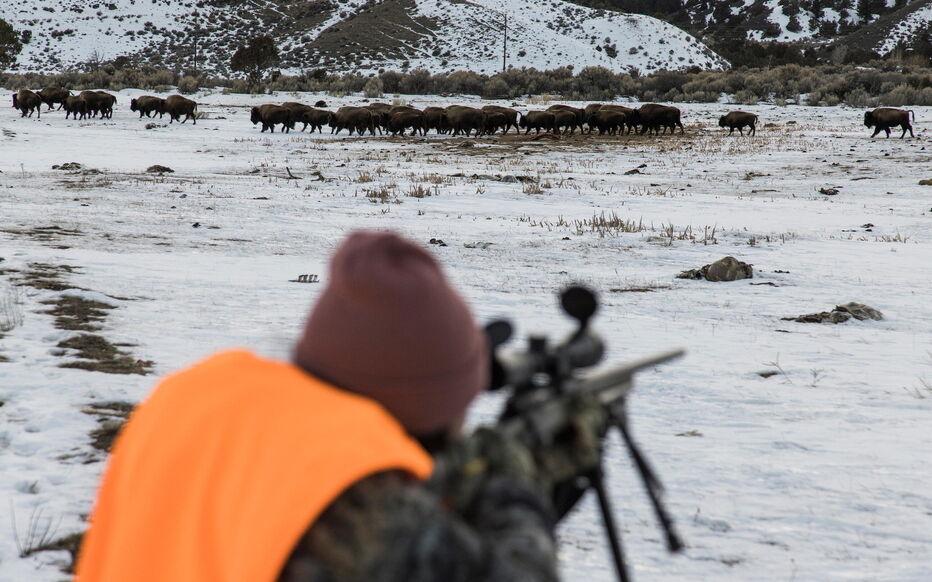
373 88
495 88
188 85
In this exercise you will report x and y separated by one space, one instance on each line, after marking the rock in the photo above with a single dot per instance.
196 225
68 167
157 169
437 241
725 269
925 182
631 172
829 191
840 314
152 125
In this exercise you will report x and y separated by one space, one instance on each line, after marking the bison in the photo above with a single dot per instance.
607 121
271 115
465 119
537 120
738 120
401 120
99 102
494 121
53 95
176 106
579 116
436 118
358 119
316 118
653 116
27 102
147 105
511 115
883 118
564 120
75 105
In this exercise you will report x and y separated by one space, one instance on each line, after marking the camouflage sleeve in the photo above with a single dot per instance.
389 529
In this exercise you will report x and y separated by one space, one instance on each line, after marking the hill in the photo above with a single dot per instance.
353 35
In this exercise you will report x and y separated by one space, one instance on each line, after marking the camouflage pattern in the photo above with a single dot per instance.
486 515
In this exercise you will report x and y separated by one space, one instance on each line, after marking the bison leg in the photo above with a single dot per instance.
876 131
887 129
741 130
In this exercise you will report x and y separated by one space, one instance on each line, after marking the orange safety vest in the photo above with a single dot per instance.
219 473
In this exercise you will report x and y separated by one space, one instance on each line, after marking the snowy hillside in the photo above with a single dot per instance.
784 20
354 35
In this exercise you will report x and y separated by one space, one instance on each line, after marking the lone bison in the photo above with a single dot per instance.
883 118
27 102
738 120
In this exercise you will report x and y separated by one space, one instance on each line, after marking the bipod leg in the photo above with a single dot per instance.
654 488
597 480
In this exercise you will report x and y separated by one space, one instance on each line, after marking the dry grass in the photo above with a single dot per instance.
97 354
422 191
76 313
608 225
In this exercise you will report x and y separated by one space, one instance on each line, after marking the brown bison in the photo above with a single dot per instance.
738 120
27 102
75 105
405 119
99 102
631 115
316 118
465 119
495 121
653 117
579 115
883 118
176 106
271 115
358 119
147 105
511 115
537 120
564 120
436 118
607 121
52 95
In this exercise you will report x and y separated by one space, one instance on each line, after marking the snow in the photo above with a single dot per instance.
904 30
544 35
817 473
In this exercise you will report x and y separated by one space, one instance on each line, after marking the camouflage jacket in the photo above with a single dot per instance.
387 528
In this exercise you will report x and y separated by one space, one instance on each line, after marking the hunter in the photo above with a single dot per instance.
245 469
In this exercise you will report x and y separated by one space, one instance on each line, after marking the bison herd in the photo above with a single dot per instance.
90 104
384 118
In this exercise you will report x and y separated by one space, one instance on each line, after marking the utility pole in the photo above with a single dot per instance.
505 44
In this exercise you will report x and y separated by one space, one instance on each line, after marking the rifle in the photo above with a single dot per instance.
543 379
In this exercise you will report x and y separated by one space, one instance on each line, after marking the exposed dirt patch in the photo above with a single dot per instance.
111 416
44 233
97 354
44 276
77 313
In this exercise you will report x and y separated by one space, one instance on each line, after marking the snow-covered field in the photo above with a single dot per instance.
819 472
